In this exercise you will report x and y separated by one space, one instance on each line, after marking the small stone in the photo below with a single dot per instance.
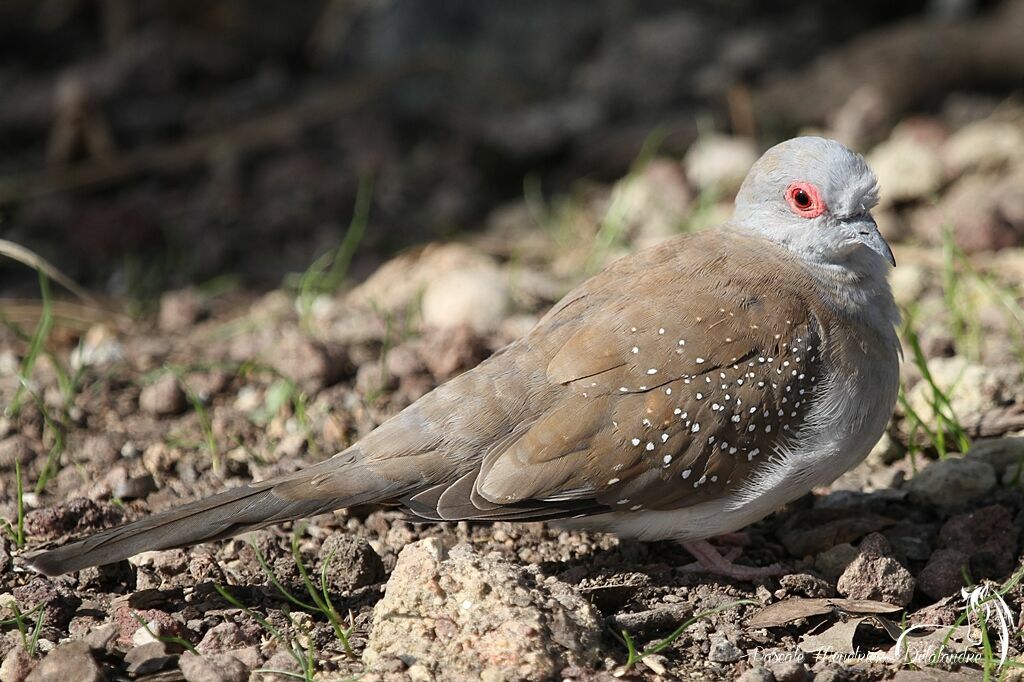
655 201
1006 455
222 637
57 600
163 397
148 658
832 562
886 451
789 671
212 668
953 482
875 574
908 168
282 661
756 674
724 651
99 347
719 163
983 145
397 284
909 283
100 638
306 361
15 449
988 535
134 488
943 575
477 299
807 585
179 310
70 661
352 562
104 449
16 666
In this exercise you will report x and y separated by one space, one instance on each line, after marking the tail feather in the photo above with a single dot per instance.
223 515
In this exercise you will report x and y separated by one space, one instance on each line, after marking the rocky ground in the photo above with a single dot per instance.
120 417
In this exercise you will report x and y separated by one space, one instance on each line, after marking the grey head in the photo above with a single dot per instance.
814 197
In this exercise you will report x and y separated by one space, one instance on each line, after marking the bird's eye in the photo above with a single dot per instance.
805 200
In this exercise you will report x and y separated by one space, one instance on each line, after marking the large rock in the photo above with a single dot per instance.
212 668
983 541
71 661
983 145
464 616
953 482
908 168
163 397
476 298
397 284
875 574
718 163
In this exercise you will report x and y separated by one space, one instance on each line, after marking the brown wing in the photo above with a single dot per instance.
668 378
670 401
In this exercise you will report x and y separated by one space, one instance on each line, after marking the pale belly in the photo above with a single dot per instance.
847 424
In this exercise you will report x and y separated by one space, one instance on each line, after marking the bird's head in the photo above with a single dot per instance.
814 197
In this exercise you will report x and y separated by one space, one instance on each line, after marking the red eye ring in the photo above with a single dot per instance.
805 200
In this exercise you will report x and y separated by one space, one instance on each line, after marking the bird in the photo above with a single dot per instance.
682 393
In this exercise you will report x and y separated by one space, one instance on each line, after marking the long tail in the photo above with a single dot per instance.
314 490
223 515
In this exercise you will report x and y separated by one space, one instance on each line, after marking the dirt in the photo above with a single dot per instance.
215 390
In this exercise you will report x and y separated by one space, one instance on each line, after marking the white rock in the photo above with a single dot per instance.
907 169
982 145
719 162
461 615
399 282
475 298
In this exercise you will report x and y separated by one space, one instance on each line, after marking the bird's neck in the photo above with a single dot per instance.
860 294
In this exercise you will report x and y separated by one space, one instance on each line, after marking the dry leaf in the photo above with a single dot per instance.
789 610
836 639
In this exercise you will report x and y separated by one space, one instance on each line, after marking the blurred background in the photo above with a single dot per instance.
290 220
149 144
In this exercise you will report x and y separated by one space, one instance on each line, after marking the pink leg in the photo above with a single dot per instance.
710 561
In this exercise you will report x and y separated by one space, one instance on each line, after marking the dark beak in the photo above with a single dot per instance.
869 236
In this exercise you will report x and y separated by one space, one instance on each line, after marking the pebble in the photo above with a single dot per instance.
164 397
212 668
475 298
1005 455
953 482
16 666
353 563
179 310
719 163
148 658
943 576
789 671
70 661
757 674
306 361
875 574
982 145
908 168
15 449
724 651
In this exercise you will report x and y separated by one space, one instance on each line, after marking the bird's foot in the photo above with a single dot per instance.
710 561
